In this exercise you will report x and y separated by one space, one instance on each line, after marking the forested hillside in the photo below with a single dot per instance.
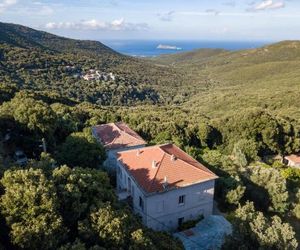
266 77
24 37
236 112
206 80
37 60
235 148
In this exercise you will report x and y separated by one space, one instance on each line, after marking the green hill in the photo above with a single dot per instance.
25 37
267 77
36 60
195 56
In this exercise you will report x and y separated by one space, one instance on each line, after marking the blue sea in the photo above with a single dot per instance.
148 48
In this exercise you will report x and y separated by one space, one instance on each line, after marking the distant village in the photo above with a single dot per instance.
91 74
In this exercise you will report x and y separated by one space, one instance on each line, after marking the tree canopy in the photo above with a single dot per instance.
81 149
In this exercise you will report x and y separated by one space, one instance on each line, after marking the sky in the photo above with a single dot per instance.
231 20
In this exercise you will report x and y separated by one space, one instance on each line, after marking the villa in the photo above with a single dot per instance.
292 160
93 75
164 185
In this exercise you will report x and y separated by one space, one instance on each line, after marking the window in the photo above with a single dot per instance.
119 172
180 221
141 203
181 200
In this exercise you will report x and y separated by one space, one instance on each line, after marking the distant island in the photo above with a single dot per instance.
168 47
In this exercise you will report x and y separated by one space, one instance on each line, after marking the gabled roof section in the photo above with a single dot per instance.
163 167
117 135
294 158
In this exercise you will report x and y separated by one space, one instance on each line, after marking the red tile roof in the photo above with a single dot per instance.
151 166
117 135
294 158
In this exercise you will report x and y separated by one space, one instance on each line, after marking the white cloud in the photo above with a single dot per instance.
51 25
6 4
213 11
89 24
118 22
93 24
166 17
268 5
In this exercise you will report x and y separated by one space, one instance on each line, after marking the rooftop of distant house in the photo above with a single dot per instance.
293 157
117 135
162 167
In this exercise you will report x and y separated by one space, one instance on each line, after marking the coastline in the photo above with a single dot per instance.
152 48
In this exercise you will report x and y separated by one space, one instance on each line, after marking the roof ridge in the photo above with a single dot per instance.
143 148
116 125
140 138
123 131
207 171
158 168
162 145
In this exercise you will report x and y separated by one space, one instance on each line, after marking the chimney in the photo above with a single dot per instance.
173 158
154 163
165 183
138 152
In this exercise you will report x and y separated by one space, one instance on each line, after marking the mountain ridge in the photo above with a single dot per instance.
26 37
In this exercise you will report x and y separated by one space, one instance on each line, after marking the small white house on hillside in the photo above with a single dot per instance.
166 185
116 137
292 160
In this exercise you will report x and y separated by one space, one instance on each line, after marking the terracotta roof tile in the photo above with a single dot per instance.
294 158
171 163
117 135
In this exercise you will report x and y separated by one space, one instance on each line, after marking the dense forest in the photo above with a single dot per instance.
40 61
236 112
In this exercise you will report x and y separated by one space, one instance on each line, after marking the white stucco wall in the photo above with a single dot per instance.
161 210
135 192
291 163
294 164
165 209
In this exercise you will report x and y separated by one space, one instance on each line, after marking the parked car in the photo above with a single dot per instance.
20 157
